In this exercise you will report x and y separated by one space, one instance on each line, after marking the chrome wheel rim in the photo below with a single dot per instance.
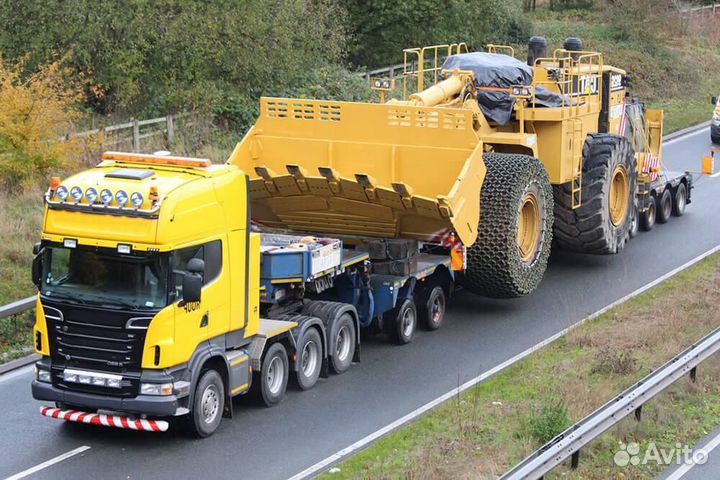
408 322
274 375
309 358
342 343
681 201
210 404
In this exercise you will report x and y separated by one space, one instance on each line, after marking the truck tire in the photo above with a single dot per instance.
664 206
345 342
402 322
601 225
510 255
207 407
309 358
432 307
270 383
648 217
679 200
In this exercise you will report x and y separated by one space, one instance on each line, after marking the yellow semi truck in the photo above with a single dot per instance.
169 285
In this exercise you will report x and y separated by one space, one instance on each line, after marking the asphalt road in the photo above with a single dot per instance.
390 381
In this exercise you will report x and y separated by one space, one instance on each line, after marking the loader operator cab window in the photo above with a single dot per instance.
104 277
210 253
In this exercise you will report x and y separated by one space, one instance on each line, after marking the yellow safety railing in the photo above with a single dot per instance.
424 64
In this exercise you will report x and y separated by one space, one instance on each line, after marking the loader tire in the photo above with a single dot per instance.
602 224
510 255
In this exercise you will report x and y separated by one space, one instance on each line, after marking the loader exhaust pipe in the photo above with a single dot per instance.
537 48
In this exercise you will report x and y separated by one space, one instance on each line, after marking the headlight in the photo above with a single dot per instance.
106 196
137 199
91 195
121 198
62 193
76 193
156 388
42 375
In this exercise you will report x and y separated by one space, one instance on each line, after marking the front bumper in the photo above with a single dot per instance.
157 406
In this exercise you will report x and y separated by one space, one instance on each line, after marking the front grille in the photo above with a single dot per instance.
96 338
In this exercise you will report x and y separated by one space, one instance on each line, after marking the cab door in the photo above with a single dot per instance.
196 322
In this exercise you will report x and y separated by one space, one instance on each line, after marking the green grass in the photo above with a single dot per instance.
486 430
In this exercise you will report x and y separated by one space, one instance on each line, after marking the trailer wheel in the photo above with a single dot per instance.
270 383
635 225
432 308
208 403
664 206
510 255
647 218
345 342
679 200
601 224
309 358
402 322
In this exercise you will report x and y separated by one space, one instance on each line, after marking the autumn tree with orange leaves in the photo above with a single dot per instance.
36 112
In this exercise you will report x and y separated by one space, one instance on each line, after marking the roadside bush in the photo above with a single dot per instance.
549 421
614 360
35 112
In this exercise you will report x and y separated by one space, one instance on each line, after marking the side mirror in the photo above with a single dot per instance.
37 248
713 100
193 280
37 269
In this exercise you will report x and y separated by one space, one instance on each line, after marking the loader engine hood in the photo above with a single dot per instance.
378 170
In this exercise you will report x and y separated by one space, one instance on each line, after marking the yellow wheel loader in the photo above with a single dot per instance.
497 154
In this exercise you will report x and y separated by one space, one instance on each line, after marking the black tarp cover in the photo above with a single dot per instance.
493 70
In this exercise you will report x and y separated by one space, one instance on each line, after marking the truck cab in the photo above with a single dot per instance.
135 268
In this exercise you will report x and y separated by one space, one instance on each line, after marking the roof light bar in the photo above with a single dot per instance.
186 162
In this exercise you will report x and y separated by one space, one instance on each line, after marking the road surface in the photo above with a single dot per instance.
390 381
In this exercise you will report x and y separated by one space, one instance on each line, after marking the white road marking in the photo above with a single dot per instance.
708 447
365 441
715 175
48 463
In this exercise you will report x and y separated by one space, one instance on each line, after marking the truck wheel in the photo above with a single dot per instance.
679 200
208 403
601 224
403 322
432 309
270 383
309 358
664 206
345 342
647 218
510 255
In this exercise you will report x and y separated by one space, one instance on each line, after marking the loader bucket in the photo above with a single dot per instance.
377 170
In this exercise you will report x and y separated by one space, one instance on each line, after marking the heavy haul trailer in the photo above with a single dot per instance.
156 300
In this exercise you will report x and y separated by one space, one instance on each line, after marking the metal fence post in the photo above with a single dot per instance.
170 129
136 135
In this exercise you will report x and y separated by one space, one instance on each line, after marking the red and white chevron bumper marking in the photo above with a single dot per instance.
116 421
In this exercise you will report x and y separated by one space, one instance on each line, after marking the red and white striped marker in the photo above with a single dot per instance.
105 420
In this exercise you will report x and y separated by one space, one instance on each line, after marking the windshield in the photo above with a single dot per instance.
105 277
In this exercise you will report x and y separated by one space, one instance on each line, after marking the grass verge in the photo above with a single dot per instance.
488 429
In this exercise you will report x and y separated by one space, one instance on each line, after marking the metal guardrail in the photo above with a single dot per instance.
17 307
569 443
